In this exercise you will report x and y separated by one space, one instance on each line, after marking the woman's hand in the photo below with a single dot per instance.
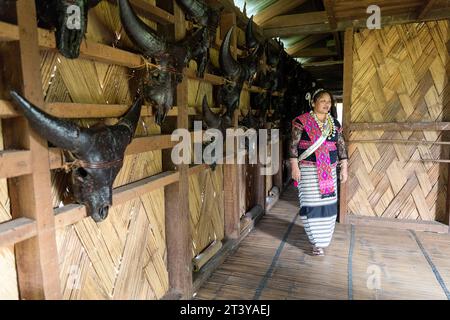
344 171
295 170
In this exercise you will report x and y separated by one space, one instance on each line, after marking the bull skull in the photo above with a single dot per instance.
69 17
171 56
99 152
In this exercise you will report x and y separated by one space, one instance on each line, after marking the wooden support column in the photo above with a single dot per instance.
30 195
348 81
178 228
278 178
176 200
260 186
231 171
231 200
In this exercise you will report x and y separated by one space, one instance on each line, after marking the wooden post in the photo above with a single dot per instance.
231 171
30 195
178 229
176 199
260 186
348 80
278 178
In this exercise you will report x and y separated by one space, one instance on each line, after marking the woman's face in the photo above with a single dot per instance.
322 104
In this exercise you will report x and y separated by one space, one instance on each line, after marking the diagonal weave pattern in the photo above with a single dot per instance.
399 75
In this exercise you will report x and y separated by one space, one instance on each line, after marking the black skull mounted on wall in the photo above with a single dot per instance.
172 57
69 17
99 151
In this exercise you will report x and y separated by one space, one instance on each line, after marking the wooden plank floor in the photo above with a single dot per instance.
274 262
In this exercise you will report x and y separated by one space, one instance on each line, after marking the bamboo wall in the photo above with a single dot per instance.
125 256
399 75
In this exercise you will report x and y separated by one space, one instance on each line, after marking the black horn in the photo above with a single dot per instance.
226 60
211 119
61 133
141 34
130 119
250 39
195 9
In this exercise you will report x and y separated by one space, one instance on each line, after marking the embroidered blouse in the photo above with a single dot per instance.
300 141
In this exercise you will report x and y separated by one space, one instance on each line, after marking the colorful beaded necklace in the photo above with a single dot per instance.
322 125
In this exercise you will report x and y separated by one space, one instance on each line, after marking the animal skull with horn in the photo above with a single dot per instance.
236 72
172 57
98 151
69 17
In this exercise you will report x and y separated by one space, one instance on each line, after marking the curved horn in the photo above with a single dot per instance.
61 133
196 9
141 34
130 119
250 39
211 119
226 60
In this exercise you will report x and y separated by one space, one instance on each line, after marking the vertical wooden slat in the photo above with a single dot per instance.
36 258
278 178
231 171
348 80
447 213
178 229
176 199
260 186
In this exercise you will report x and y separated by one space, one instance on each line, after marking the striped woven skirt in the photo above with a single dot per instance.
317 214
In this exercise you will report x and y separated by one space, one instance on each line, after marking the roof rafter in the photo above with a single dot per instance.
329 8
304 43
279 7
425 8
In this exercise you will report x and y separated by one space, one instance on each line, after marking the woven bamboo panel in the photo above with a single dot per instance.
206 208
399 75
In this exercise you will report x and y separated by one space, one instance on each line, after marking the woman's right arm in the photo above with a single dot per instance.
296 134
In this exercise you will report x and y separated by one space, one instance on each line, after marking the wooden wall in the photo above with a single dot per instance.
396 112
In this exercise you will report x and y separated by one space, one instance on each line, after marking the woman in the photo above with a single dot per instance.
316 148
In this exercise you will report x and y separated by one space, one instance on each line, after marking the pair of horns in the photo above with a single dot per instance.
66 134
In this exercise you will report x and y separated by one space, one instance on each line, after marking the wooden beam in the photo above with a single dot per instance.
401 126
300 29
304 43
138 145
17 230
14 163
347 103
329 8
277 8
315 52
37 260
423 10
294 20
322 64
72 213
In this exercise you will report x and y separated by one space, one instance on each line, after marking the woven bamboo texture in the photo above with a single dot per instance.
206 208
399 75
